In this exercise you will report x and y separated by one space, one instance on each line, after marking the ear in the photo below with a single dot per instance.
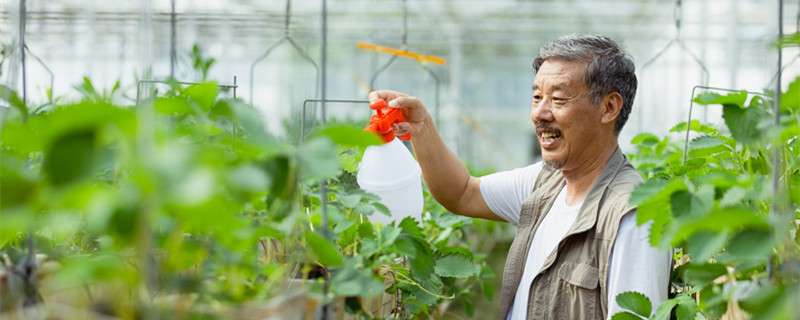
611 105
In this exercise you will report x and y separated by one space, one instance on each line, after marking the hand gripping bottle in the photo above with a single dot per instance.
389 170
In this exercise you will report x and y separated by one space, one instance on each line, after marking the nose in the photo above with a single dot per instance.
541 112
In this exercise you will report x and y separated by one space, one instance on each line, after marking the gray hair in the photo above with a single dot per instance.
610 69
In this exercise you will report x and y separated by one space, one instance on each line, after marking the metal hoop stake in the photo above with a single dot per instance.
691 106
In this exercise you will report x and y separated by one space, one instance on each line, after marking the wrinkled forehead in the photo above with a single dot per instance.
558 74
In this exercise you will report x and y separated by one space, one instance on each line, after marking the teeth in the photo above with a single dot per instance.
548 135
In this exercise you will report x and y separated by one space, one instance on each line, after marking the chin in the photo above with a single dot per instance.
555 164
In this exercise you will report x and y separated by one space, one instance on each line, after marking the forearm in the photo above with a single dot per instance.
446 176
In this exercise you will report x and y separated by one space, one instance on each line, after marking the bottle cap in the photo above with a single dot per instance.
381 122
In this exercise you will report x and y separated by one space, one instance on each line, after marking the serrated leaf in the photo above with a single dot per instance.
694 126
432 284
326 252
636 302
708 98
410 226
743 122
707 145
687 308
423 261
454 265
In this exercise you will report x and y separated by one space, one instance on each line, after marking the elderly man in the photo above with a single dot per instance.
577 244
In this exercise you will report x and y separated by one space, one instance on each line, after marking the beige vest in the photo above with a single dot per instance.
572 282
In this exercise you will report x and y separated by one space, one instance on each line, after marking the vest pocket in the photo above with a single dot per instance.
578 293
579 274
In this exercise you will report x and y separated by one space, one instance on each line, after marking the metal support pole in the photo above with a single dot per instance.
324 185
172 53
23 16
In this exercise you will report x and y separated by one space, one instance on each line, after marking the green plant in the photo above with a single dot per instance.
735 237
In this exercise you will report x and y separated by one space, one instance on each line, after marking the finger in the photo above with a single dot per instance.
385 95
405 102
401 128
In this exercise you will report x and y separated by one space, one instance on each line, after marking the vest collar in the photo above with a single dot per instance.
587 216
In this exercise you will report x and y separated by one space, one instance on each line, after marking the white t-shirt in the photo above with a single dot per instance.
504 193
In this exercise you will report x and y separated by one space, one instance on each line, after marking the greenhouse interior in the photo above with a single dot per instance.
209 159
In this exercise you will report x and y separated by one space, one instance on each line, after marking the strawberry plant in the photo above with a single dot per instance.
734 234
185 207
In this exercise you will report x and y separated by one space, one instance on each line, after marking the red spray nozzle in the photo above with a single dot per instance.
381 122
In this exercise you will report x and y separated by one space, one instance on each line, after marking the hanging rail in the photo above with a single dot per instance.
286 38
403 52
677 15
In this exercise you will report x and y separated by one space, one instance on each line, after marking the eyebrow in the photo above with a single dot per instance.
560 86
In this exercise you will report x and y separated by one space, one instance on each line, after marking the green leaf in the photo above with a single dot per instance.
448 220
664 309
71 157
625 316
457 266
687 307
432 284
703 274
636 302
350 281
325 250
11 97
790 100
707 98
743 122
645 138
173 106
751 243
707 145
695 126
688 204
655 189
704 244
347 135
203 94
732 197
317 159
721 220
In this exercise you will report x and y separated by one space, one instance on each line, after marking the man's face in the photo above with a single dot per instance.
565 117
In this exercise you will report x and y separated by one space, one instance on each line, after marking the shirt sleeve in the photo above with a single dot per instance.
637 266
504 191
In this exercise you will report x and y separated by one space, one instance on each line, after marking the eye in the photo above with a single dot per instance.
537 97
559 100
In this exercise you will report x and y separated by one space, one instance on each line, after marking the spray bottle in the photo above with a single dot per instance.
389 170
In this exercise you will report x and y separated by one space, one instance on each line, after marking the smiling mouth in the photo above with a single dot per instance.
550 136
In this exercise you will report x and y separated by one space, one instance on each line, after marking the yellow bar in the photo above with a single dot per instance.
418 56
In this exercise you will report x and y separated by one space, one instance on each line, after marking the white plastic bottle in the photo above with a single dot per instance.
390 171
